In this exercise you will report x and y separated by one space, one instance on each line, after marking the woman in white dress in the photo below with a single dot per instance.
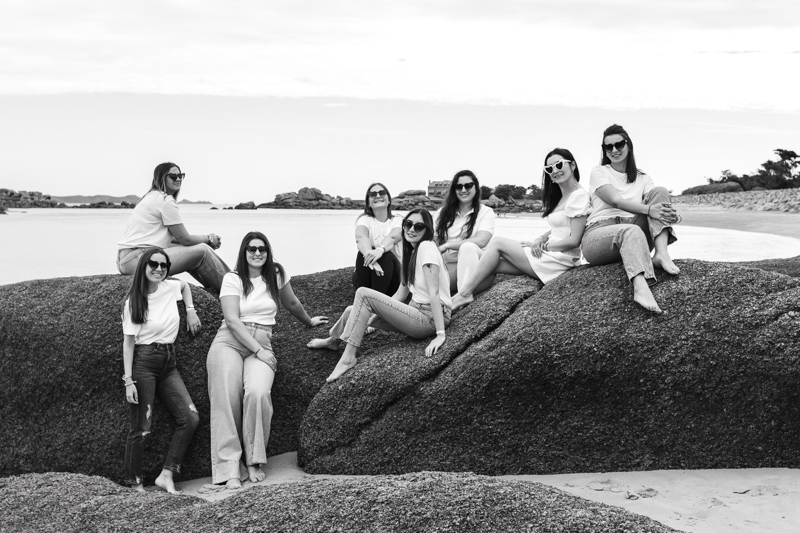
566 206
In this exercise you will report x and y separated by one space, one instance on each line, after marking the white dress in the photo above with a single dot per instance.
553 264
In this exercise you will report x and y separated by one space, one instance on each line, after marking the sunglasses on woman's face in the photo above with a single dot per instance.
375 194
466 186
253 249
418 226
558 165
155 264
176 177
610 147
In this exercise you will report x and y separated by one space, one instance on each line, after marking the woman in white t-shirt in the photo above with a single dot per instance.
150 325
464 227
630 217
378 240
566 206
241 365
156 221
424 277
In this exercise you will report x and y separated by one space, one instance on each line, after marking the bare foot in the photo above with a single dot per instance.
664 262
341 368
643 296
165 482
139 487
461 301
330 343
256 474
233 483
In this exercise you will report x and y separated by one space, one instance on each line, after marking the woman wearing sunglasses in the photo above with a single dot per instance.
630 216
464 227
241 364
378 240
156 221
150 324
424 276
566 206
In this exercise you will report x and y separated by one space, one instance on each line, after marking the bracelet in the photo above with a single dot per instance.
256 352
648 210
440 332
381 247
129 384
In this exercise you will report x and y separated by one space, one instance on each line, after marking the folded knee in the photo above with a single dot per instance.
469 247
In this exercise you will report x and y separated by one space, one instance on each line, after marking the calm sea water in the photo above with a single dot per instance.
50 243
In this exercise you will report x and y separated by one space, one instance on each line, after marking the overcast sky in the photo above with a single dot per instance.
253 98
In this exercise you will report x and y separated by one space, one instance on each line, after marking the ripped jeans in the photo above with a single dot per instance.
154 372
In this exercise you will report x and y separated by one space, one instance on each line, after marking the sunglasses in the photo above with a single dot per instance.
155 264
254 249
615 146
418 226
467 186
176 177
375 194
558 165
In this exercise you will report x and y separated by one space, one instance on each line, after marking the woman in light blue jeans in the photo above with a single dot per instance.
630 217
424 276
156 221
241 364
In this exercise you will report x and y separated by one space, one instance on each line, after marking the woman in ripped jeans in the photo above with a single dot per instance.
630 217
424 275
150 324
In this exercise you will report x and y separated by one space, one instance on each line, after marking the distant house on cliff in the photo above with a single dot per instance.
438 188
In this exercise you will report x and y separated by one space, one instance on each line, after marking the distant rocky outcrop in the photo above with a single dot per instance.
576 377
25 199
246 205
784 200
426 501
311 198
572 377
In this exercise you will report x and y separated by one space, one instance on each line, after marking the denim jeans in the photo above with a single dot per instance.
199 260
415 320
239 388
629 239
366 277
154 372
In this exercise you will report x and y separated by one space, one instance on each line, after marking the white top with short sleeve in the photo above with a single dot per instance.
148 223
428 254
378 231
259 306
484 222
162 320
633 192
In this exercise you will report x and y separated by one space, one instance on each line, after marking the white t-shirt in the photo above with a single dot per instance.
633 192
148 223
259 306
162 315
484 222
378 231
428 254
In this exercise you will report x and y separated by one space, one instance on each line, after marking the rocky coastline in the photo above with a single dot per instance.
780 200
10 199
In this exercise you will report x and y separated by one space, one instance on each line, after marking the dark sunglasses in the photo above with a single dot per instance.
176 177
467 186
254 249
615 146
375 194
418 226
558 165
155 264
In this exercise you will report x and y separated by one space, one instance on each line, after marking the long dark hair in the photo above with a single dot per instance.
551 193
160 176
630 164
268 271
450 208
137 293
368 209
409 251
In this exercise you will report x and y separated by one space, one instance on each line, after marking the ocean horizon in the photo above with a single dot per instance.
83 242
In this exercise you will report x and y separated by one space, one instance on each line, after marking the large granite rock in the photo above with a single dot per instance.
575 378
62 404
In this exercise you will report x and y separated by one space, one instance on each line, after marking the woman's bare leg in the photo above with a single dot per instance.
642 294
661 256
